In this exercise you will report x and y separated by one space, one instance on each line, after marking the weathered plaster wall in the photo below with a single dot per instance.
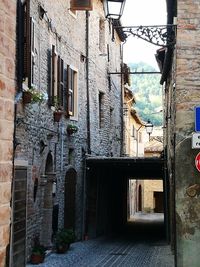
7 92
151 186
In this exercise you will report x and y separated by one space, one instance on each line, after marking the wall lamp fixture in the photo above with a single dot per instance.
149 128
114 8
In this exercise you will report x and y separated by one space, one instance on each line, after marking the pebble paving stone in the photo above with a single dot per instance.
117 252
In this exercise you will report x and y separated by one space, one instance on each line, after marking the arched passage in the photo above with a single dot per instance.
70 199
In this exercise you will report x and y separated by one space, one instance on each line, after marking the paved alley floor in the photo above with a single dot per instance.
138 249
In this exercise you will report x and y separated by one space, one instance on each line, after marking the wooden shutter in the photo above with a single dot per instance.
70 91
52 77
27 38
60 81
32 51
20 44
19 218
81 5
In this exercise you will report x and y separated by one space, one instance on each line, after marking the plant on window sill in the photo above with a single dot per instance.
71 129
57 110
32 95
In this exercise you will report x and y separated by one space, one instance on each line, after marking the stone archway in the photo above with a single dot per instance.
70 199
50 176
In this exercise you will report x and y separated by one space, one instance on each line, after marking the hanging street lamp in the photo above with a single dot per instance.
149 128
114 8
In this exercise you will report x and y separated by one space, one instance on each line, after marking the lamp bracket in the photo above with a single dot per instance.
160 35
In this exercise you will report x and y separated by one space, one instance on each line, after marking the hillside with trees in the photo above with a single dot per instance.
148 93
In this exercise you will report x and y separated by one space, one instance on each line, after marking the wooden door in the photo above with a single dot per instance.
18 257
70 199
158 196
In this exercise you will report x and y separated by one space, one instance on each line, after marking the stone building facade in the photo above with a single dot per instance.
180 74
64 62
7 92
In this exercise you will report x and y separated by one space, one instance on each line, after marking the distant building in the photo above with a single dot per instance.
133 126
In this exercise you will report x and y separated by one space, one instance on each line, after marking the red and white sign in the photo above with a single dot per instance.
197 161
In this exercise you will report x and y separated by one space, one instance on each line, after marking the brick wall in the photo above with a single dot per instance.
182 95
7 91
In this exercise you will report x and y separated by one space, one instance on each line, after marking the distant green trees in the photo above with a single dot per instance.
148 93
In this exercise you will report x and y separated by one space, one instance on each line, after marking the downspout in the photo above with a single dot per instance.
84 218
122 102
87 83
138 140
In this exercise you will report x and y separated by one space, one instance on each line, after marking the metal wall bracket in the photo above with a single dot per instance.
160 35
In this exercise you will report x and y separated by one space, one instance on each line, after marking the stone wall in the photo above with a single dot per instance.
7 91
67 32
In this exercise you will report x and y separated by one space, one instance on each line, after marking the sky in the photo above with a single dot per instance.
142 12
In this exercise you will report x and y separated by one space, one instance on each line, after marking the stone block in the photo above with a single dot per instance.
2 256
5 171
5 192
4 215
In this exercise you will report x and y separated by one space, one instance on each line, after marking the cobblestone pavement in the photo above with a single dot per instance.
136 250
107 253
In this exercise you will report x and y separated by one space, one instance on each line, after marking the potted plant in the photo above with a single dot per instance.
57 110
71 129
32 95
38 252
64 237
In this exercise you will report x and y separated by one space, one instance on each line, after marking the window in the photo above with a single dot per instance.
72 93
101 111
81 4
33 51
57 79
102 35
140 137
134 132
60 81
29 45
63 85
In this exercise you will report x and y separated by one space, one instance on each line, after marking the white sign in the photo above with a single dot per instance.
195 140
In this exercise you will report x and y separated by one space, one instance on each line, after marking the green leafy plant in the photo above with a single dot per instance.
65 236
71 128
36 96
56 104
38 252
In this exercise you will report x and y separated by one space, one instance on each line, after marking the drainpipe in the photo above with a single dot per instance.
122 103
87 83
88 126
138 140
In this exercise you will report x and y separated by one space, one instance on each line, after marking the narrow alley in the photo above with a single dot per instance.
143 245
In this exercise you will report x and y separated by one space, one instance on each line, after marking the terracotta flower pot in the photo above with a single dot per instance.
62 248
57 115
36 259
27 97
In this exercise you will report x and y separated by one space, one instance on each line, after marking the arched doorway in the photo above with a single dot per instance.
70 199
46 235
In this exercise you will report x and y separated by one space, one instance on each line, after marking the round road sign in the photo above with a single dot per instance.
197 161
